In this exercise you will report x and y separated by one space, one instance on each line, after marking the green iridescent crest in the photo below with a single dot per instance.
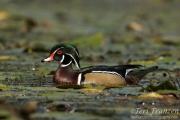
70 50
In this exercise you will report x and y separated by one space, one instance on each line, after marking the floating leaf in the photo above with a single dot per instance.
92 91
5 57
2 86
134 26
3 15
91 41
151 95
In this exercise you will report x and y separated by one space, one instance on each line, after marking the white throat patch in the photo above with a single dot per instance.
65 65
62 59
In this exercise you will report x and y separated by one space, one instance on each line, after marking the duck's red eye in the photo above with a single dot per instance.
59 52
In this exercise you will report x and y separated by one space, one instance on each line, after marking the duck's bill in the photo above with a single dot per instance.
49 59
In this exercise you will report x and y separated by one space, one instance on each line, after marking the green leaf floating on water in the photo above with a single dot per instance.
90 40
168 85
2 86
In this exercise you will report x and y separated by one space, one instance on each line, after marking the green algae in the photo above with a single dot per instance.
2 87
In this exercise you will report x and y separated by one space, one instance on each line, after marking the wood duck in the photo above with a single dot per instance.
68 54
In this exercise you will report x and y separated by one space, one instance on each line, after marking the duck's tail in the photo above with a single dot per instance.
134 77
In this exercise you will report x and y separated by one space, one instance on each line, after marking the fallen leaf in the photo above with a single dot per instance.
5 57
134 26
3 15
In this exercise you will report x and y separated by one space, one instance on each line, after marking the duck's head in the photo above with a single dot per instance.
64 53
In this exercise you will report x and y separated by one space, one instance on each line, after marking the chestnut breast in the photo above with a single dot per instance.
64 76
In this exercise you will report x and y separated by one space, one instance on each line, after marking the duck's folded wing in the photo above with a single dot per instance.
120 70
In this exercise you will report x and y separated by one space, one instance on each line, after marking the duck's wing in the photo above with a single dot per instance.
135 76
120 70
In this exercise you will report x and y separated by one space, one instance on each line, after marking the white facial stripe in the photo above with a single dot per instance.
69 55
62 59
74 60
76 52
79 79
62 56
109 72
56 50
65 65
